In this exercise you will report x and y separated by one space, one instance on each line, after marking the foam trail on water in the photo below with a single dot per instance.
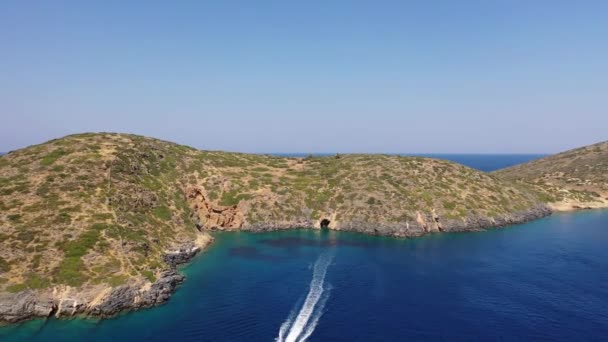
302 322
285 326
318 313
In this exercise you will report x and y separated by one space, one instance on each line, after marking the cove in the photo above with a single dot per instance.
541 280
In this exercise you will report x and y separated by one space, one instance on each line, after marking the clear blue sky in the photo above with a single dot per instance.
309 76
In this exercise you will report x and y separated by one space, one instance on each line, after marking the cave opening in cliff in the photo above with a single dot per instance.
53 311
325 223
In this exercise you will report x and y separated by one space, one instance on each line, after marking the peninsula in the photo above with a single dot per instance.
571 180
96 223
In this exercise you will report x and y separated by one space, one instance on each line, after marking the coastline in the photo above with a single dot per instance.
102 301
424 224
105 301
569 206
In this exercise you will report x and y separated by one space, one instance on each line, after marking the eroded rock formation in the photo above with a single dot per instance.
213 216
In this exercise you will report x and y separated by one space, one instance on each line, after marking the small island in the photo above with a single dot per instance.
97 223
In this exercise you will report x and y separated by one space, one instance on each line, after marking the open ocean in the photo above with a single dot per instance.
544 280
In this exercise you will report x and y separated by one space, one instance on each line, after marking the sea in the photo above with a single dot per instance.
543 280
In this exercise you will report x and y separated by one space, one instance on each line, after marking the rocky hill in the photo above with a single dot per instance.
575 179
96 223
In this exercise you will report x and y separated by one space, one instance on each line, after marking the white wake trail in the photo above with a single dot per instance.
285 326
302 322
318 313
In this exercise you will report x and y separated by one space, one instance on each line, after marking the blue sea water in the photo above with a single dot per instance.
483 162
544 280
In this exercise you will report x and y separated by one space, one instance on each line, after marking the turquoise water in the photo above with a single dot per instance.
547 279
542 280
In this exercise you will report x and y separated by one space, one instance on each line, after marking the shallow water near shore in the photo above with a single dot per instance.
541 280
546 279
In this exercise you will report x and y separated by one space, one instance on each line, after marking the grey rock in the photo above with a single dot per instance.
24 305
29 304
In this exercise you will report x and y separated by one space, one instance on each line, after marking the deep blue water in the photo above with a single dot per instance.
483 162
544 280
487 162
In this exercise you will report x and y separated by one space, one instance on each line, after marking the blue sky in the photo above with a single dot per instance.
309 76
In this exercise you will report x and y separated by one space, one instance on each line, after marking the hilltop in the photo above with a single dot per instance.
96 223
575 179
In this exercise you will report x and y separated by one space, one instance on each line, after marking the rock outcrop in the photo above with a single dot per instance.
212 216
102 301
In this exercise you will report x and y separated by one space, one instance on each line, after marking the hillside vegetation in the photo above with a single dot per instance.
106 208
569 180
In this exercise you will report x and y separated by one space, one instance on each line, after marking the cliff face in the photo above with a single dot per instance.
96 223
575 179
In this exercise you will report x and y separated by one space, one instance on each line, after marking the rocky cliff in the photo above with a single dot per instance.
96 223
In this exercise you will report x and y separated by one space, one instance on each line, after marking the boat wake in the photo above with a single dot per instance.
298 328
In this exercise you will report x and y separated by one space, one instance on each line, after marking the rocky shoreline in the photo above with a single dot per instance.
424 224
105 301
99 301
